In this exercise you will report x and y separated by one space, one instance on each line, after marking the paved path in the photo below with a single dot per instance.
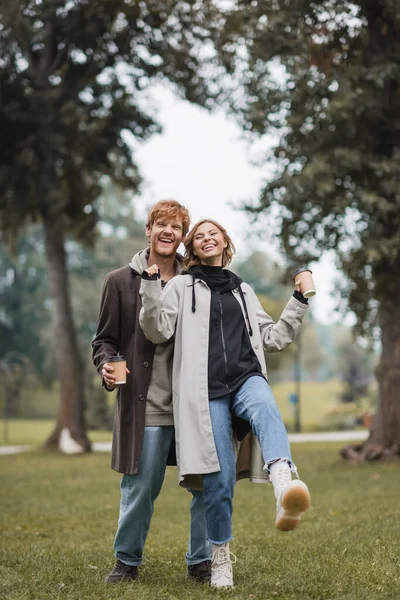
14 449
328 436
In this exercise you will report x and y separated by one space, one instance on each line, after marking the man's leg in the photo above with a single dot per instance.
138 493
255 403
198 557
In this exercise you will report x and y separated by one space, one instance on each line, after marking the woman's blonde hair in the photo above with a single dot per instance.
191 259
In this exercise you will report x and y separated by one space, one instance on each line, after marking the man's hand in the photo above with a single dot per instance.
153 270
108 376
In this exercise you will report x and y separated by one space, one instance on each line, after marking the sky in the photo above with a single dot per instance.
202 160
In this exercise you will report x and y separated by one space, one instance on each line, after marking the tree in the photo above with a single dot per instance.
23 296
24 299
71 75
270 282
324 77
265 275
355 368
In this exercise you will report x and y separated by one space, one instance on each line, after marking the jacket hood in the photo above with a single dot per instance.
139 262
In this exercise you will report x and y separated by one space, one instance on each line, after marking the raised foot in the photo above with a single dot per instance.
294 501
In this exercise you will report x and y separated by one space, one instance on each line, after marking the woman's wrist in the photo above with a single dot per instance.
299 296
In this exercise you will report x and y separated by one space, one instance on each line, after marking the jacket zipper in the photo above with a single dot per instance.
223 340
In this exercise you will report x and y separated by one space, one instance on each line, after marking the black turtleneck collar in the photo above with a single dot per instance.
217 278
211 270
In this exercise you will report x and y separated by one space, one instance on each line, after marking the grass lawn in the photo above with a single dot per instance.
58 517
316 399
35 432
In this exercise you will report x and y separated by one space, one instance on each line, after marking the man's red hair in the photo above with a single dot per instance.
169 209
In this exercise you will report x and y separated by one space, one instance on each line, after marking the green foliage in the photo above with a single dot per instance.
59 543
324 77
355 365
24 312
25 316
72 76
269 280
266 276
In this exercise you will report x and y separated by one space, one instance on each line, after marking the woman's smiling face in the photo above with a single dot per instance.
209 244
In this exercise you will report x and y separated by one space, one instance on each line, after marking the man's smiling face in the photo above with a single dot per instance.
165 235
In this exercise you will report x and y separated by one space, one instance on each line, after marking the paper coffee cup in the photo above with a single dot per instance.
304 278
119 364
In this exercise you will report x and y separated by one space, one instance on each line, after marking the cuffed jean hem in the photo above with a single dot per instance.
229 539
269 464
196 561
127 561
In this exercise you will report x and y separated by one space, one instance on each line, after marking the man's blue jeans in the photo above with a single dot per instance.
138 493
255 403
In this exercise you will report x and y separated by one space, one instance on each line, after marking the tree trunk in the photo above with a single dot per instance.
69 434
384 438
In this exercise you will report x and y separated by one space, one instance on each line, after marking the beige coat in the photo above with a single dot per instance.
195 447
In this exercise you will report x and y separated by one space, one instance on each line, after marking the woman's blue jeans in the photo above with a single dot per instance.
255 403
138 493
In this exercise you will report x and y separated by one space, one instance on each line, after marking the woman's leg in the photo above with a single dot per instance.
219 486
218 494
255 403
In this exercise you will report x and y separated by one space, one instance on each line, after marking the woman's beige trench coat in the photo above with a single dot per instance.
169 312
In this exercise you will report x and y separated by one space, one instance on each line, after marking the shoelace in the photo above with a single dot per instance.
283 476
222 560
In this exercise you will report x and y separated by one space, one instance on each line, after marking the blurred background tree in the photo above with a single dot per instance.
72 79
269 280
25 319
324 79
355 366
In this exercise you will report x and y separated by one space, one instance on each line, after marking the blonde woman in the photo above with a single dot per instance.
219 373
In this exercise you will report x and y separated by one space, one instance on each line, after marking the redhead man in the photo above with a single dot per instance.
143 438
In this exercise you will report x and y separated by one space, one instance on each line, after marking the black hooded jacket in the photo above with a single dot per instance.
231 358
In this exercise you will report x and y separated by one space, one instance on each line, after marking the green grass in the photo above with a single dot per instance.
317 397
35 432
58 517
317 400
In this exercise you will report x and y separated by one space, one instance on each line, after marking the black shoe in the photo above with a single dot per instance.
201 572
122 572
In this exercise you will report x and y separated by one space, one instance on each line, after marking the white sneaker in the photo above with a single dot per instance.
292 497
221 566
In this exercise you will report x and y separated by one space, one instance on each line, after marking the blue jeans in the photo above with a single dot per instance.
138 493
255 403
